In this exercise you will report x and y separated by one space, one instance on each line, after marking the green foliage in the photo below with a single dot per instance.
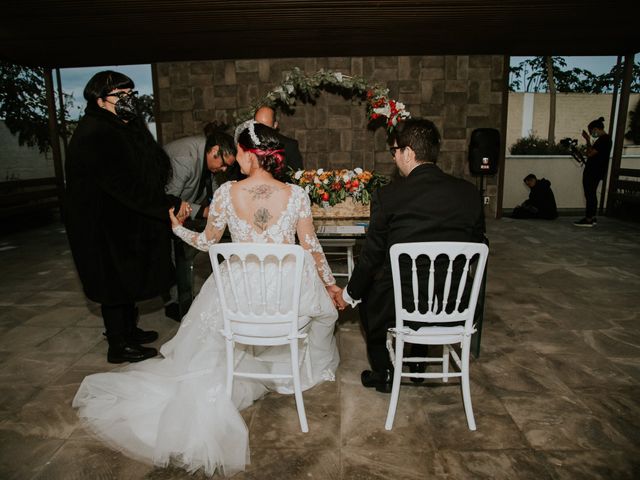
145 107
23 104
634 125
306 88
533 145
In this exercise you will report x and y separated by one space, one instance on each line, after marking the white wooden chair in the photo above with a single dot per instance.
436 308
265 314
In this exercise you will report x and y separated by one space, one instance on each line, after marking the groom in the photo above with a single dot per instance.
426 205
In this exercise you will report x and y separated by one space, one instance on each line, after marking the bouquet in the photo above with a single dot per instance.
331 187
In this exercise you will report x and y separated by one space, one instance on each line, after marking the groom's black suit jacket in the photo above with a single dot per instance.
426 206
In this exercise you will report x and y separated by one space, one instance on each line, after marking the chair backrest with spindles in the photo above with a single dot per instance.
259 290
437 282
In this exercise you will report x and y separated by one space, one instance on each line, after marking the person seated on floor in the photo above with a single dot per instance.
541 202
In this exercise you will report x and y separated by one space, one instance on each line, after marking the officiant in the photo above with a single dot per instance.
195 161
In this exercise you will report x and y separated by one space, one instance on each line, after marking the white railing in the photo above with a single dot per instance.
564 173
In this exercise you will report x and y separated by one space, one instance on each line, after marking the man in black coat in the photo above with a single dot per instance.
267 116
541 202
117 212
426 205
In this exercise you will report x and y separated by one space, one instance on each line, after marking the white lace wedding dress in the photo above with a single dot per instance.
174 409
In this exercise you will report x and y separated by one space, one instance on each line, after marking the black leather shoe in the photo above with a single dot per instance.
172 311
381 381
130 353
139 336
417 367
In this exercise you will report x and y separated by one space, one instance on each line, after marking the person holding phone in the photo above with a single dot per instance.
116 212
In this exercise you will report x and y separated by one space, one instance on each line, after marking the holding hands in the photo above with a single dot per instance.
183 213
335 292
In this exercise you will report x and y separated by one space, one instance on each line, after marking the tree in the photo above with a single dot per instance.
531 75
23 104
551 137
145 107
534 73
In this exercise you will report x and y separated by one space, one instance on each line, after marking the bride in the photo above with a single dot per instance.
174 409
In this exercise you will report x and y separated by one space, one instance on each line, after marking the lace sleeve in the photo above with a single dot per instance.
216 223
309 241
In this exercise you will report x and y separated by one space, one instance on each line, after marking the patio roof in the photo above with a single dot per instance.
69 33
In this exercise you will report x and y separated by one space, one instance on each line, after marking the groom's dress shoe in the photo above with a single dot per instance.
139 336
417 367
129 352
172 311
381 381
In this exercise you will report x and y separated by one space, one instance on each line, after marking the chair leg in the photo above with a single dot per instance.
230 366
307 355
349 262
395 389
445 363
466 390
295 371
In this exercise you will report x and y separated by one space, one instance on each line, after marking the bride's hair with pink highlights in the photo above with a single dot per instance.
265 144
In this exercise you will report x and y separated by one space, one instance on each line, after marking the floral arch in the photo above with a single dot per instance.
306 88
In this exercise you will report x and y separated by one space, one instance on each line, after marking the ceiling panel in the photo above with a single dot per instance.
82 33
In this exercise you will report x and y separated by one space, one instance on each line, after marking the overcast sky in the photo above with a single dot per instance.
596 65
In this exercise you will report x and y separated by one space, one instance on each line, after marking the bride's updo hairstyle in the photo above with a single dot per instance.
264 143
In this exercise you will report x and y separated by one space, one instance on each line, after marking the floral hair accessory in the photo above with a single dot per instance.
251 126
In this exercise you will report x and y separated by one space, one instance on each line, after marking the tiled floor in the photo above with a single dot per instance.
555 389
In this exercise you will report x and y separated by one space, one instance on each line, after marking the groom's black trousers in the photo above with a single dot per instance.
119 321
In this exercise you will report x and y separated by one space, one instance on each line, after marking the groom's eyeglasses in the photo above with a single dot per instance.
394 149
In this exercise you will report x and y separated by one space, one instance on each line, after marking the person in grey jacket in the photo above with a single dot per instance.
194 161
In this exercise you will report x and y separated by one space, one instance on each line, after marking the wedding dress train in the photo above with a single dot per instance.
175 409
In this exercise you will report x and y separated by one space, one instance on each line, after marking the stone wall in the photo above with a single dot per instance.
459 93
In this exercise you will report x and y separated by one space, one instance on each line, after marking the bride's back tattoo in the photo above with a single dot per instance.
261 192
261 218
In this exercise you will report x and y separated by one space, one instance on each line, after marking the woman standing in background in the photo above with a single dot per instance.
116 212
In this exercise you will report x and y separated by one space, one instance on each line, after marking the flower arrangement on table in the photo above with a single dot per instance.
348 191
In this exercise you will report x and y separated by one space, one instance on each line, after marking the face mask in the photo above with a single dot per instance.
126 108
